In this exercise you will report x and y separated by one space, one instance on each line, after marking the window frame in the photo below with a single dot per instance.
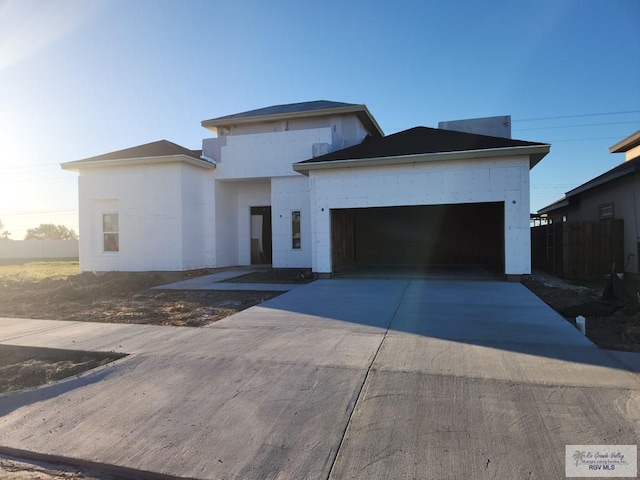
112 233
296 229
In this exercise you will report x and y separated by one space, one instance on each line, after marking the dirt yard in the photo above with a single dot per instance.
112 298
117 297
617 331
24 367
22 469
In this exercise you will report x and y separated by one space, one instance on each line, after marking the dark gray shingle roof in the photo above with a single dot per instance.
285 109
161 148
420 140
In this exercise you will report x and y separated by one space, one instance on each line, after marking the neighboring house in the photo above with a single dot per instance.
313 185
614 195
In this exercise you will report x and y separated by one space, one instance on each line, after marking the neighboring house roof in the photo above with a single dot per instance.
557 205
424 141
154 151
626 144
298 110
621 170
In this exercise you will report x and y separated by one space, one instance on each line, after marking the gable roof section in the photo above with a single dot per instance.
621 170
435 143
298 110
162 151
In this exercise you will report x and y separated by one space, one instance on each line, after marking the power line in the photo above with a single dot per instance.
576 126
582 139
579 115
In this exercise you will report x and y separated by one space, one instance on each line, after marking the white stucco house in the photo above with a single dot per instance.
312 185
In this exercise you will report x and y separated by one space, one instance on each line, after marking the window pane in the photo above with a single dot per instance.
295 229
111 242
110 222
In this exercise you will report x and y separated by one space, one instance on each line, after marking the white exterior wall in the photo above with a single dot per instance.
198 247
258 145
470 181
154 229
255 169
346 132
226 224
267 155
289 194
176 216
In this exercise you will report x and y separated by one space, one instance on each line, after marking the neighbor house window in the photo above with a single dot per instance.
605 211
295 229
110 233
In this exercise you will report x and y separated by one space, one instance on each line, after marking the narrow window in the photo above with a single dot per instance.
110 234
295 229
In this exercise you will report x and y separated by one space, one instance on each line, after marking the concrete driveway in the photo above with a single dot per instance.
337 379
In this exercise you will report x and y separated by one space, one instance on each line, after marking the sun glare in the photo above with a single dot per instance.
28 26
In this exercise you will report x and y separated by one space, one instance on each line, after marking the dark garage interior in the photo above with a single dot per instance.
457 235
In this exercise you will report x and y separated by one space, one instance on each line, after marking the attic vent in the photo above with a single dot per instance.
320 149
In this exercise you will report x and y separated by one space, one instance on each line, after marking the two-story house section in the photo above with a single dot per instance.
160 206
262 210
310 185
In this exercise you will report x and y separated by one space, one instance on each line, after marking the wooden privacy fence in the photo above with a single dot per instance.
578 250
50 249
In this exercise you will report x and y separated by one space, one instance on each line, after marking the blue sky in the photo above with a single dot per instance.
79 78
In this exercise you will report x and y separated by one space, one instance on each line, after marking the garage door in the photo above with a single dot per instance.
425 235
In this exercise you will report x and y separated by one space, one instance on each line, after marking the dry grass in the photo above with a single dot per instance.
36 271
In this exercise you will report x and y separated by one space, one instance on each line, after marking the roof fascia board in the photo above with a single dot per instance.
555 206
537 150
360 110
626 144
596 182
123 162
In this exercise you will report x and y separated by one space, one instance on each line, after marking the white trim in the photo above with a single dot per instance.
119 162
531 150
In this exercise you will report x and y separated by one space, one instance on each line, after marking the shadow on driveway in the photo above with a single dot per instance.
498 315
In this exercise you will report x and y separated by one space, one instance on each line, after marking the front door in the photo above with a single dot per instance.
260 235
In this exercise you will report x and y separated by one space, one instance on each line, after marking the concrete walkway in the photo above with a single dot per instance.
215 281
338 379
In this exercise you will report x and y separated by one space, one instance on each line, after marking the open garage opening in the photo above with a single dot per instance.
424 240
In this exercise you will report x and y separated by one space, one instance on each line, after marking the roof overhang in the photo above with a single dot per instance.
626 144
126 162
361 111
557 205
602 179
535 153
